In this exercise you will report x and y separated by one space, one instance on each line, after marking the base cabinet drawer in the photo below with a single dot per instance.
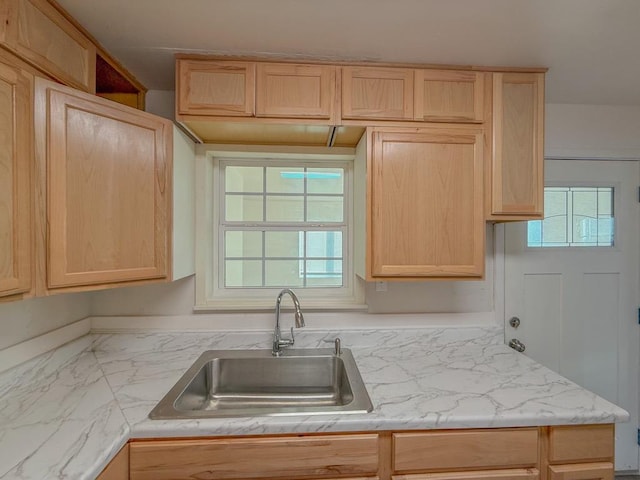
511 474
585 443
472 449
325 456
582 471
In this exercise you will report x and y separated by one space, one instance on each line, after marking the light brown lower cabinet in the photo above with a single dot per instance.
583 452
118 468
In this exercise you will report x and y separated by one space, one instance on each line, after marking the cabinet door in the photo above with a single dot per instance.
15 180
216 88
517 179
108 171
582 471
425 203
377 93
449 96
298 91
40 34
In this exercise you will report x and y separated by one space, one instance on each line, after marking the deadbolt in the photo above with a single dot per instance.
514 322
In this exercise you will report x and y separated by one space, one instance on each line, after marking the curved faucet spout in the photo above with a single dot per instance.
278 342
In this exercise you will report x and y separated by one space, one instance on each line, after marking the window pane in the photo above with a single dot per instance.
325 180
324 272
324 244
285 209
243 208
534 233
283 273
285 180
243 244
283 244
243 273
243 179
554 230
325 209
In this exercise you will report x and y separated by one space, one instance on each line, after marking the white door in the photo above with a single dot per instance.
578 305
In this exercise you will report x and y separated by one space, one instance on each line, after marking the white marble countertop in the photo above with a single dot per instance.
65 414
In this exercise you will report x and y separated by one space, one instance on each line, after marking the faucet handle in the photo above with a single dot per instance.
293 339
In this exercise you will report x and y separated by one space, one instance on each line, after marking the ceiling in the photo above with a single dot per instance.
591 47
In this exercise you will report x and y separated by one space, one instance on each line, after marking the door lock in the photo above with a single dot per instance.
514 322
517 345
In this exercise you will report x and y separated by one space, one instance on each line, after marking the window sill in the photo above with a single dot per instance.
261 305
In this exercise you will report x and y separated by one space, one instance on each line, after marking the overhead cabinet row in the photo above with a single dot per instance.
328 92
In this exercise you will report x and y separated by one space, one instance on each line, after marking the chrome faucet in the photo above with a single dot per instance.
278 342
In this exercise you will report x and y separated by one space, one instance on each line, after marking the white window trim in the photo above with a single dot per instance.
209 295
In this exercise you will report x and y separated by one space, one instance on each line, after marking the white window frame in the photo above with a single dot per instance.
210 293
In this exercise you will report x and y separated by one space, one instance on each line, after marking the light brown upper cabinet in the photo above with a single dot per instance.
295 91
516 179
37 32
424 203
377 93
105 171
16 159
222 88
449 96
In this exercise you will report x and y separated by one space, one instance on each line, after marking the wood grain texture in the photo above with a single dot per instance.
470 449
377 93
425 203
517 177
584 443
215 88
16 157
582 471
108 172
49 41
118 468
449 96
511 474
295 90
322 456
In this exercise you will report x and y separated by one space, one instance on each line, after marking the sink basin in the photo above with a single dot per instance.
238 383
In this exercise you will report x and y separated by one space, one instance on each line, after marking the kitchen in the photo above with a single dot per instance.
585 131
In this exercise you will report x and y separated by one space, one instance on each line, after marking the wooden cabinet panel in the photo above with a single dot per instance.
425 210
517 179
40 34
326 456
582 471
581 443
511 474
295 91
215 88
16 157
118 468
377 93
449 95
455 450
108 171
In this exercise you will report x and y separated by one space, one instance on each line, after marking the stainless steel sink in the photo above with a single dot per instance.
239 383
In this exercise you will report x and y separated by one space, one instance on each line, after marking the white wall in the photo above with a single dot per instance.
25 319
592 131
